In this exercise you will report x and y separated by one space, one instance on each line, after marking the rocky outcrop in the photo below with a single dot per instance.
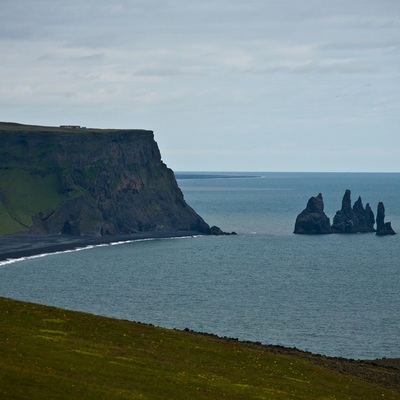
216 231
88 182
353 219
383 228
313 220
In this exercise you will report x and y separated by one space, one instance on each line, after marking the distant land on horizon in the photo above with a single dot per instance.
186 174
217 175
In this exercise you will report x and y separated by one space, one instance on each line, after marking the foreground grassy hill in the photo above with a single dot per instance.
51 353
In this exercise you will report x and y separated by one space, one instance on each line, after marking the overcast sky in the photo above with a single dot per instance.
226 85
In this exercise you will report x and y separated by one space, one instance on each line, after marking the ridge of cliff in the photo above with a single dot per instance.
79 181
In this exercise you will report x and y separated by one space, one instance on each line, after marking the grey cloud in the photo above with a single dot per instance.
90 57
316 67
364 44
64 57
163 64
157 70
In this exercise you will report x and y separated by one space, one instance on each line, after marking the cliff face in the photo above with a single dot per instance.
88 182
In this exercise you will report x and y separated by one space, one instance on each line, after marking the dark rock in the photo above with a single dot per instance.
313 220
92 182
346 201
353 220
383 228
216 231
371 215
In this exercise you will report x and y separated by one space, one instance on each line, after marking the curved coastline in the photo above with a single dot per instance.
19 247
15 247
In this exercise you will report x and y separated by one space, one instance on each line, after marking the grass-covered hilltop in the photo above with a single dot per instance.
51 353
82 181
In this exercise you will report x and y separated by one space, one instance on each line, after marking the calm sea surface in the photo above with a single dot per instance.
333 294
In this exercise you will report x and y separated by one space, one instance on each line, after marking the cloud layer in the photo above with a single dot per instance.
225 85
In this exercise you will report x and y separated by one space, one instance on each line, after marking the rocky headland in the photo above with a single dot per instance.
349 219
88 183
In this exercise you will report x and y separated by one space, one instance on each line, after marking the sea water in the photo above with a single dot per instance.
332 294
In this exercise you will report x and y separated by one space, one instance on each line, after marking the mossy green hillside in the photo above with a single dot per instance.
51 353
30 181
24 194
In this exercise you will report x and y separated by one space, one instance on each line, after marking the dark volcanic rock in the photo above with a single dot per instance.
353 220
313 220
216 231
349 219
88 182
383 228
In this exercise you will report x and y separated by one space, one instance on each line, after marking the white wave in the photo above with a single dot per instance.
88 247
129 241
14 260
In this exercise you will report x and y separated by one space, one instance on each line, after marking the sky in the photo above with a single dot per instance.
226 85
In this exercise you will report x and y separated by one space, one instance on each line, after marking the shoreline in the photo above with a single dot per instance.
14 247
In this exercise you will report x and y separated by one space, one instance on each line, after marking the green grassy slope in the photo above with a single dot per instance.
23 194
50 353
28 183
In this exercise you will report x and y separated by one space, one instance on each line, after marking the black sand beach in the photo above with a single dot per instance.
18 246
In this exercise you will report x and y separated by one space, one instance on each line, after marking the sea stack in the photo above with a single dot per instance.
383 228
313 220
353 219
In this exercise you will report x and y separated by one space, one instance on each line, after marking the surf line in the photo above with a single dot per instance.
88 247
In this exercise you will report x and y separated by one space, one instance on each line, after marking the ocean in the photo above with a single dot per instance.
336 295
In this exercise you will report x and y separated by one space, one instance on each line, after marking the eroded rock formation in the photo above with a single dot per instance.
353 219
313 220
383 228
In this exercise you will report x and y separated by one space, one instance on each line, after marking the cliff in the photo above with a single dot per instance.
88 182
